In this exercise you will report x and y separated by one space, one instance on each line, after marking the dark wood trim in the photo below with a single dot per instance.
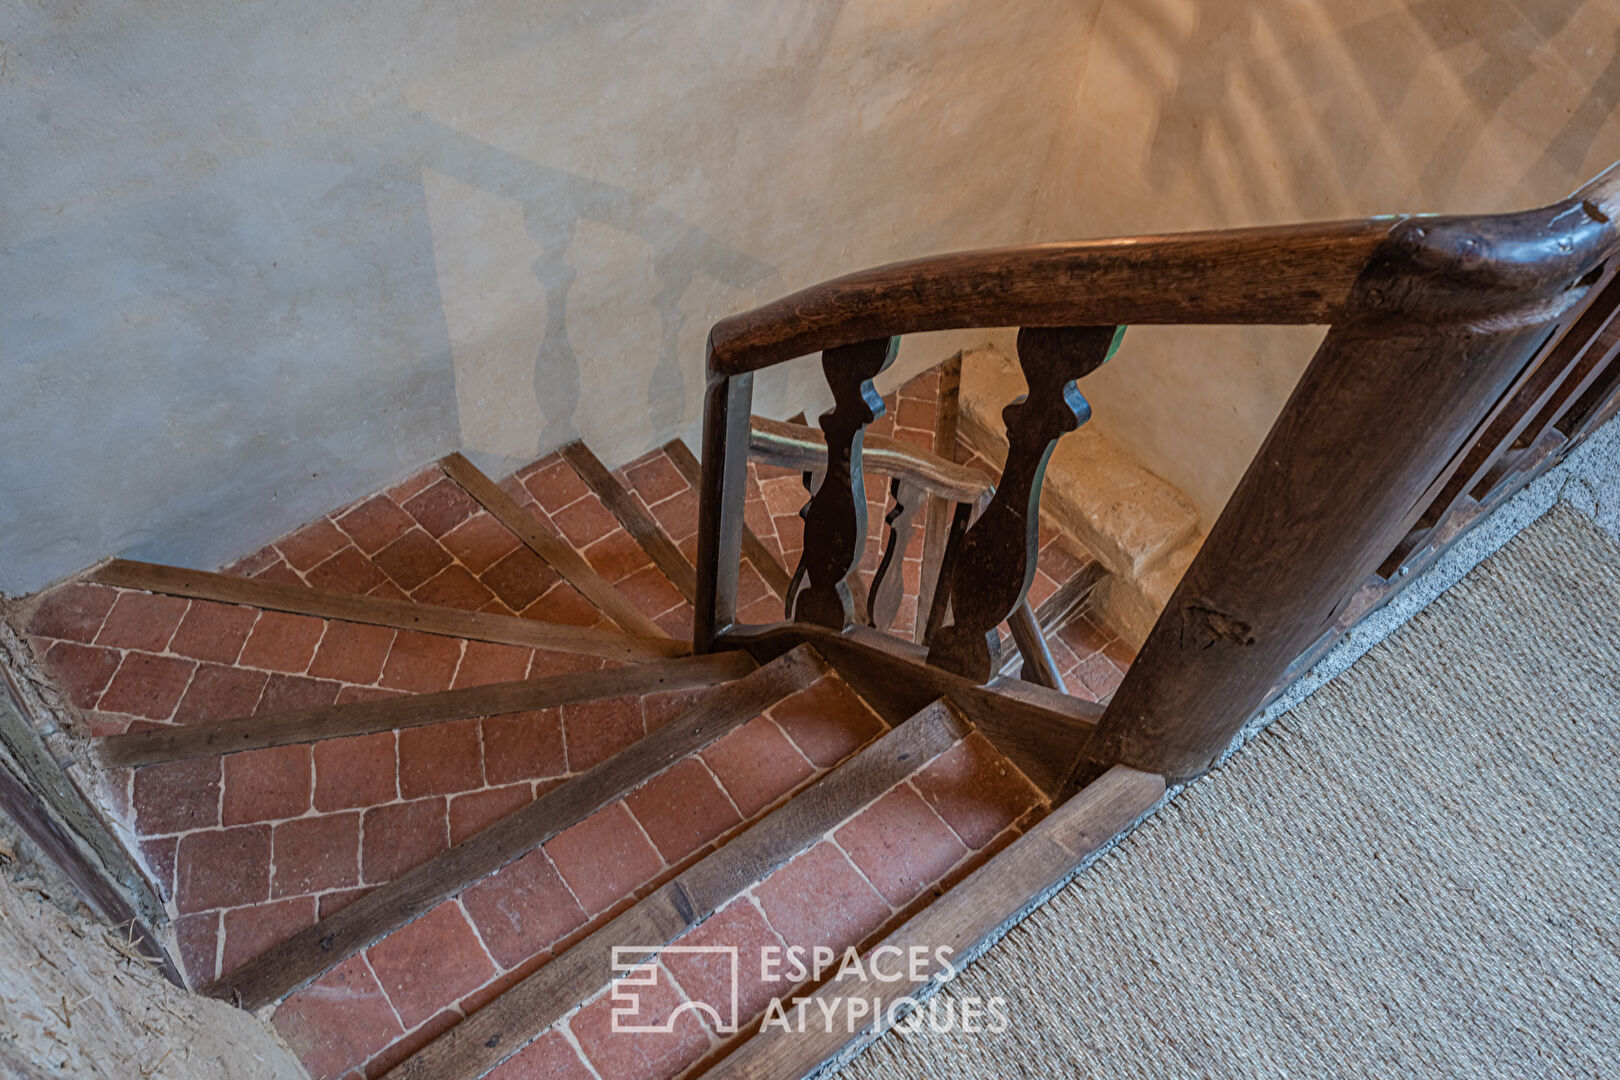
378 611
641 526
965 921
722 499
38 794
389 714
937 518
306 955
1038 666
777 579
1039 730
523 1012
796 446
558 553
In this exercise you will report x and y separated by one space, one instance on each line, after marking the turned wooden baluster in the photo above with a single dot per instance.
835 520
888 585
995 562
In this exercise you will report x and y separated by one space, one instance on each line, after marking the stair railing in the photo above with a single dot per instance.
1452 341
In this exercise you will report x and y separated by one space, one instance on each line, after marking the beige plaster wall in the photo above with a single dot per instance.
1192 114
257 259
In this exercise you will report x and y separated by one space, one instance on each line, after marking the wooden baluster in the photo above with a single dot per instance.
835 520
721 498
888 585
995 563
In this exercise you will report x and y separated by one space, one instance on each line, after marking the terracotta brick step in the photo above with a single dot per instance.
852 856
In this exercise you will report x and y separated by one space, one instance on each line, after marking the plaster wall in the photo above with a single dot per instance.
258 259
1193 114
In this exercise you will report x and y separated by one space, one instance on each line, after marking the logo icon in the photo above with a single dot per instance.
630 972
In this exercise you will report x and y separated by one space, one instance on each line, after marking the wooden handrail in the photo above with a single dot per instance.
799 446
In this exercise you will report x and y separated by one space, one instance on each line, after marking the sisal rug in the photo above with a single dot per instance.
1416 873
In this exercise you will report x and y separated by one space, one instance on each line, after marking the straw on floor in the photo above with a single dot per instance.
1414 874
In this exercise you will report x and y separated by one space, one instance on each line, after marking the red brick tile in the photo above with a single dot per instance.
333 902
83 670
519 578
213 631
480 542
286 693
339 1020
650 591
223 868
914 414
1119 654
176 796
1083 636
421 663
827 721
72 612
676 622
266 785
147 686
356 771
1100 675
596 730
784 495
620 1055
143 621
616 556
563 604
678 517
486 662
418 481
387 590
900 844
550 1057
198 938
402 836
412 559
655 478
790 535
282 642
249 931
706 977
478 810
603 857
158 858
352 652
820 898
418 1037
347 571
375 523
254 564
311 545
314 854
682 809
440 759
975 790
441 507
522 909
524 746
454 587
584 522
757 764
556 485
429 963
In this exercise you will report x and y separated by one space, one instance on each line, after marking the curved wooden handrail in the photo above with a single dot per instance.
799 446
1479 267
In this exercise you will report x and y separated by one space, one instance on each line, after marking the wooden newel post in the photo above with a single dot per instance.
992 569
727 407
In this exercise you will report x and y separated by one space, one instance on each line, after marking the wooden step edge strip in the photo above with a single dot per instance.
524 1011
558 553
380 611
311 952
413 710
641 526
959 925
776 576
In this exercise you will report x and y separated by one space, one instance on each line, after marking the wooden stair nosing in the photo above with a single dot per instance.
641 526
363 717
1037 729
309 953
558 553
380 611
776 577
966 920
524 1011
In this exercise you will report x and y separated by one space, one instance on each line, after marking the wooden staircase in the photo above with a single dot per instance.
553 777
